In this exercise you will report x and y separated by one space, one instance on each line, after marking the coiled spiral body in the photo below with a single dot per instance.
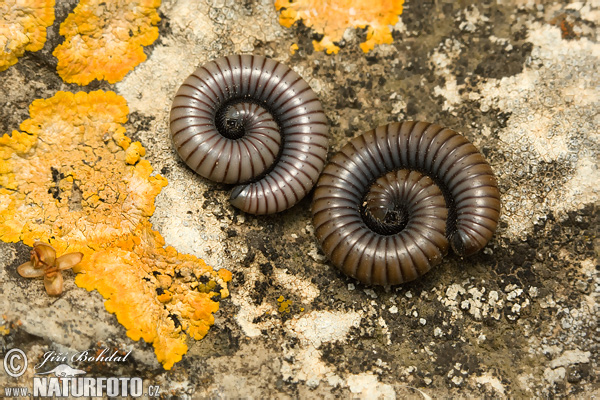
252 121
390 203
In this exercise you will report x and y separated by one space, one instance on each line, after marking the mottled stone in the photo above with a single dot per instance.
518 79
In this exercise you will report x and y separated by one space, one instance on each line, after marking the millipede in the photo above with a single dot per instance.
251 121
391 202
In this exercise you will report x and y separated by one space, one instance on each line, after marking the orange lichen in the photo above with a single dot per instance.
331 18
4 326
75 175
566 23
284 305
156 296
66 178
23 26
105 39
134 152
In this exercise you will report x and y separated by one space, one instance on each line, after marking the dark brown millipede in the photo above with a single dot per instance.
389 204
250 120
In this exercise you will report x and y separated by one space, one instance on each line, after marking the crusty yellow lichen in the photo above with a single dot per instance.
134 152
23 26
69 178
4 326
75 175
155 291
331 18
105 39
284 305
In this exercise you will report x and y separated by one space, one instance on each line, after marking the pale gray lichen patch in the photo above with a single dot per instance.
303 362
302 288
553 107
470 19
441 60
253 316
368 386
243 34
190 225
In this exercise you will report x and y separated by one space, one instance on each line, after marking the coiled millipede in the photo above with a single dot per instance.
252 121
388 205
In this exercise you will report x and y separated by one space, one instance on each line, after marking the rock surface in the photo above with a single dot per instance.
520 80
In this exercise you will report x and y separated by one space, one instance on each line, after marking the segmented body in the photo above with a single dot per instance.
381 221
251 121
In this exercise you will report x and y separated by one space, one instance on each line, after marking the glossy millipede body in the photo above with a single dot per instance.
392 201
251 121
